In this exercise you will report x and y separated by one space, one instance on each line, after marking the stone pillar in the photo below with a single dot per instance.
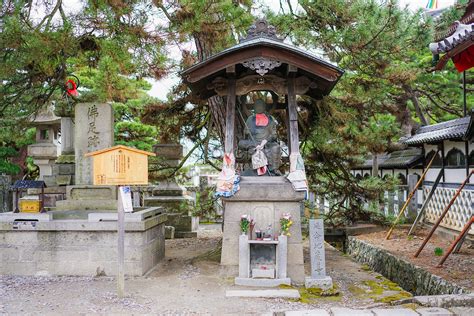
67 136
94 130
318 278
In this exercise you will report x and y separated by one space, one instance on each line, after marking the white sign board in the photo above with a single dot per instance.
126 197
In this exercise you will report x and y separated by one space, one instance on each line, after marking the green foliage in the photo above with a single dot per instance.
438 251
206 204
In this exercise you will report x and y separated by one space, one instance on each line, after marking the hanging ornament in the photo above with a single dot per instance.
71 88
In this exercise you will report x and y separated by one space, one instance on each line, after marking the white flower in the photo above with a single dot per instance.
286 216
245 216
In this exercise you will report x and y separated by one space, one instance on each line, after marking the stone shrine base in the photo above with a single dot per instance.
264 199
39 244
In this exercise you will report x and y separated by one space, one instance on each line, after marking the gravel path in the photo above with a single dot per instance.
181 285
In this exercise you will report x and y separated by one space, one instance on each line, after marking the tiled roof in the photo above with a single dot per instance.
463 33
367 164
407 158
454 129
28 184
403 158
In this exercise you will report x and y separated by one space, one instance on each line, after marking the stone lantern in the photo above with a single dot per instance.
46 149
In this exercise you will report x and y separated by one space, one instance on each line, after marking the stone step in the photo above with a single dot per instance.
86 205
263 293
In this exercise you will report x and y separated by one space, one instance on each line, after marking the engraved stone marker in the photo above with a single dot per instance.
318 277
93 131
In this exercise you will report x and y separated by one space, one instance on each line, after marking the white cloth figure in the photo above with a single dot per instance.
297 175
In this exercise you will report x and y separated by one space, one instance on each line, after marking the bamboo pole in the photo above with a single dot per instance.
458 239
420 181
426 202
445 211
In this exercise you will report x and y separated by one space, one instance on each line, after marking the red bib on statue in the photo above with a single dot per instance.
261 119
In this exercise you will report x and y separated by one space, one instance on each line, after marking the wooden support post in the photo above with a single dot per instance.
230 117
410 196
425 202
460 237
120 247
293 117
445 211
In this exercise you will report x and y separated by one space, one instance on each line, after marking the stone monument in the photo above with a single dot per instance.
170 195
318 277
93 131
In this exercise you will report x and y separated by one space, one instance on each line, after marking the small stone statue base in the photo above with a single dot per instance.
323 283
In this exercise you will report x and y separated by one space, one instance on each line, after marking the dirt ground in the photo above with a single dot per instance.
181 284
458 268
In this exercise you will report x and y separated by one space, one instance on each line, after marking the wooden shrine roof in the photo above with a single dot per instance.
262 44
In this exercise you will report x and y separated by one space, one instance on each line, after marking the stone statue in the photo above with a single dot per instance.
260 133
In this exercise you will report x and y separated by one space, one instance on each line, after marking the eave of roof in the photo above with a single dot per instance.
456 129
119 147
403 158
262 41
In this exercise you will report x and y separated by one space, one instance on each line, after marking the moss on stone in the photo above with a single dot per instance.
365 267
394 297
286 286
355 290
312 295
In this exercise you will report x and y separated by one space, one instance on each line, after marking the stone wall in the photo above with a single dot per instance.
80 247
410 277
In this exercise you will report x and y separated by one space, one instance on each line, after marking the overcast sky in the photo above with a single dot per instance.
161 88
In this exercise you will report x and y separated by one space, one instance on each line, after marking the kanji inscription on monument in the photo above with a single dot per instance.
94 131
318 277
318 262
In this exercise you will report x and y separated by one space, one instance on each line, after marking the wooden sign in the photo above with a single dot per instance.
120 165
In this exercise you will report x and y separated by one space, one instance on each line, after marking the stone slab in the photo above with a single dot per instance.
91 192
263 273
310 312
129 217
256 189
81 225
262 282
394 312
448 300
69 205
263 293
343 311
324 283
40 217
462 311
433 311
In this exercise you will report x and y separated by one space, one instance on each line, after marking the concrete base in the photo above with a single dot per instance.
324 283
262 282
78 247
264 199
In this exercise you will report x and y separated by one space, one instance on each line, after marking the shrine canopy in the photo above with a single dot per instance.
458 43
262 61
